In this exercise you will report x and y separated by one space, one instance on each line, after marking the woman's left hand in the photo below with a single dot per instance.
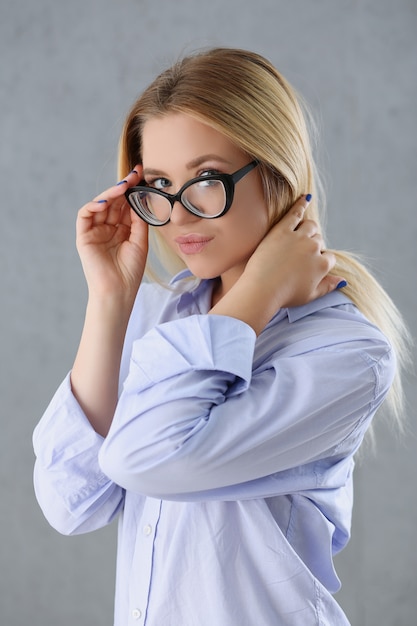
291 261
288 268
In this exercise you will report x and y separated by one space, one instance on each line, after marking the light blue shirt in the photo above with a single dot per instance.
228 463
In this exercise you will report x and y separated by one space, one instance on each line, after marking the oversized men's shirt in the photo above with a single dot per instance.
229 460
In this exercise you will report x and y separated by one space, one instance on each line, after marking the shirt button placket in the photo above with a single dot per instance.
142 563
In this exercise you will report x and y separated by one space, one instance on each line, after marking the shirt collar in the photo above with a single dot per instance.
197 292
197 287
334 298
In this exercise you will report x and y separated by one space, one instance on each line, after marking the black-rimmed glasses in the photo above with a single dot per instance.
207 196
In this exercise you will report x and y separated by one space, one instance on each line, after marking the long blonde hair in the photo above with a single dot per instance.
242 95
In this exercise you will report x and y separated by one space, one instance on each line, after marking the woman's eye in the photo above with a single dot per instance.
209 173
159 183
208 183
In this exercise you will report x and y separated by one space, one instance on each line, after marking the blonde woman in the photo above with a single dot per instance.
216 410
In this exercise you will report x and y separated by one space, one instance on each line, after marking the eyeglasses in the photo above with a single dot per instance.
208 196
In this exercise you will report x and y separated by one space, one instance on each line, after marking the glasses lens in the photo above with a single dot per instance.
152 207
205 197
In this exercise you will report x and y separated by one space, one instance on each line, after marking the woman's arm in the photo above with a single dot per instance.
193 416
72 490
112 244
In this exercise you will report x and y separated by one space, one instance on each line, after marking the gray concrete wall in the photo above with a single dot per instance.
69 71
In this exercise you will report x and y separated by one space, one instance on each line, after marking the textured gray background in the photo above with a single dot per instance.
69 71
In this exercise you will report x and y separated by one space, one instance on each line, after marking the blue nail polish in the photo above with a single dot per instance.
121 182
101 201
343 283
134 172
308 197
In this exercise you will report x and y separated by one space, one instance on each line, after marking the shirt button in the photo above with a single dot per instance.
147 530
136 613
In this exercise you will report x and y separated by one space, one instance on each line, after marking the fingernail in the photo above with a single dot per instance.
343 283
101 201
133 172
121 182
308 197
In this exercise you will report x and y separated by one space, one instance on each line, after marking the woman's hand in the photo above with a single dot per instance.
291 261
288 268
112 242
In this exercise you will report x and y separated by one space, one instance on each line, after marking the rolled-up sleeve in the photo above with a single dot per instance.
194 417
72 490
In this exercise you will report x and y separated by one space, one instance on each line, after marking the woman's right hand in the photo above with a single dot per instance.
112 242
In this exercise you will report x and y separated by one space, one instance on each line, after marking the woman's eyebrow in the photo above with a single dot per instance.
206 157
149 171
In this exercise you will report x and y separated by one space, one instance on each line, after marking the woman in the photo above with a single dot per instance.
217 416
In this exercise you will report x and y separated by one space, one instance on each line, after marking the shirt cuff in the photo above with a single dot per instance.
67 446
198 342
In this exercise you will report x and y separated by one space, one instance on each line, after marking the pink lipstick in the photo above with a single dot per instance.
192 244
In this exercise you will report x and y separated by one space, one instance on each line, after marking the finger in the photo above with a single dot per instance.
90 215
119 212
138 169
329 259
117 190
128 216
309 228
107 206
295 215
115 211
330 283
139 229
131 179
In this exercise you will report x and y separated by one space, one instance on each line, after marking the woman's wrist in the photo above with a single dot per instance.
250 301
110 306
95 372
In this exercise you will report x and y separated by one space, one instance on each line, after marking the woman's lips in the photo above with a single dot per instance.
192 244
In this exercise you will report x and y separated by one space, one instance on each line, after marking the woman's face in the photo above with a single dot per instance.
175 148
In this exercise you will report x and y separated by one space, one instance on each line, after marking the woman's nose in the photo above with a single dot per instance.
180 215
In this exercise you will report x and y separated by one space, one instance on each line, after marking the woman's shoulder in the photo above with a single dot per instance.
332 322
